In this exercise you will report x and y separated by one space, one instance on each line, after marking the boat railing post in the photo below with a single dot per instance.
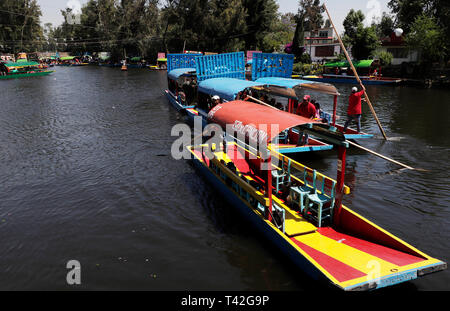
342 150
334 110
269 189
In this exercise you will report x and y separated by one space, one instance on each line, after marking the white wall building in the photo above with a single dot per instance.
397 47
321 45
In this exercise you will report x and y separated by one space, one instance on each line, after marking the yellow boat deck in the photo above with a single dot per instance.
372 258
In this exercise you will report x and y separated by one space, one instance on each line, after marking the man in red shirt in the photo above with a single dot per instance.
354 108
308 110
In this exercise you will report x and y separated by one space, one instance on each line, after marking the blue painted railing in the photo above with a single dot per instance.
227 65
272 65
175 61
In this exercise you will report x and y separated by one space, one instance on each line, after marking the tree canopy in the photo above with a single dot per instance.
426 36
20 29
145 27
362 40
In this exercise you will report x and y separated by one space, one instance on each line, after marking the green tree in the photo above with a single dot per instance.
362 40
20 29
313 18
426 36
120 27
407 11
385 26
227 26
384 57
282 32
298 42
259 18
352 21
186 24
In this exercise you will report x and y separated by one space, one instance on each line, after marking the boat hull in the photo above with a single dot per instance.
26 75
352 80
358 255
269 232
156 68
174 102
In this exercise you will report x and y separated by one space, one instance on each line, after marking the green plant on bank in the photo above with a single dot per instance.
384 57
307 69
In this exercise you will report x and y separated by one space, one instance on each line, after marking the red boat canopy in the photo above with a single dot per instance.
255 120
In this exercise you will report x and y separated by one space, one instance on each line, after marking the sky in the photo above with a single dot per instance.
338 9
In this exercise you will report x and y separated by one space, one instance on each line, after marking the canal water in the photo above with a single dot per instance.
86 174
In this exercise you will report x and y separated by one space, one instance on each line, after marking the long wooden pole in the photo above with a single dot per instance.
382 156
355 73
261 102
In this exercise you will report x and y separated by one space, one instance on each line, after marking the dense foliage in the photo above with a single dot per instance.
20 28
417 18
362 40
145 27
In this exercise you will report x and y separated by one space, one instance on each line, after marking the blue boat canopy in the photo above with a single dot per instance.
296 85
226 88
176 73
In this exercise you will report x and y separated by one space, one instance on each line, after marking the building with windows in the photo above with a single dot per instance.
321 45
399 50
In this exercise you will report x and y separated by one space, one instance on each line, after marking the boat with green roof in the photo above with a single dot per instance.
340 72
22 69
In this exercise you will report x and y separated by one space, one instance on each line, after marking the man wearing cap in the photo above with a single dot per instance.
354 108
215 101
308 110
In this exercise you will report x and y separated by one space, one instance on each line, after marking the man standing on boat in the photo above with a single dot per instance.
354 108
308 110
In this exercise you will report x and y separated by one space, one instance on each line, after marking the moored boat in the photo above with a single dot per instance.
366 80
231 89
161 63
22 69
181 75
293 88
340 72
299 209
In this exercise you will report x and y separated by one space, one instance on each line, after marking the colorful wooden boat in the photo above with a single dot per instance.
177 79
291 88
78 64
274 71
26 75
366 80
161 64
181 73
228 89
339 72
299 209
22 69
